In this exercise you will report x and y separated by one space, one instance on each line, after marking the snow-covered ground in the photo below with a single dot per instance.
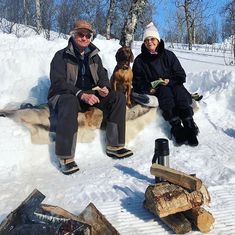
116 187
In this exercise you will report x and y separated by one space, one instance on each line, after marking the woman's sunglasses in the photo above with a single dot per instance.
150 39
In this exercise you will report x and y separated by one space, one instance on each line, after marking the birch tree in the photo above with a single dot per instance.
47 17
110 18
194 11
186 4
26 11
38 16
229 24
127 34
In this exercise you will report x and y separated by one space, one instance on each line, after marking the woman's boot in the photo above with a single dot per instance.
191 131
178 131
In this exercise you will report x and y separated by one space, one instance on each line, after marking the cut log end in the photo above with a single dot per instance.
201 218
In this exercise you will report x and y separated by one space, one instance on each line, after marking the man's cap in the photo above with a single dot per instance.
82 24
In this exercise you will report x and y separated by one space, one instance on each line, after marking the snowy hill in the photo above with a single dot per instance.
116 187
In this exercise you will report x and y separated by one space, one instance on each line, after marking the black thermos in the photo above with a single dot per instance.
161 154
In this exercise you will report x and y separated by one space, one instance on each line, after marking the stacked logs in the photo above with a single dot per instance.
178 200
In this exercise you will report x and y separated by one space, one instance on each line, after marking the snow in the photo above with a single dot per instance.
116 187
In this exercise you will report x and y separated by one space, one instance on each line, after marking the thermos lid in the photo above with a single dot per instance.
162 147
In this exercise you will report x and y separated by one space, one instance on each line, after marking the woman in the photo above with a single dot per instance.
157 71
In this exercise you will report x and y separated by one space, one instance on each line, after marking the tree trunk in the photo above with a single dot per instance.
193 33
26 12
188 23
110 18
233 44
127 35
38 16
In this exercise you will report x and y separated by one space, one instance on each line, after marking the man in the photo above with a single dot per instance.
158 72
75 71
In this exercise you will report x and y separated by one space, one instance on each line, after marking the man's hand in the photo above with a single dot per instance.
103 91
90 99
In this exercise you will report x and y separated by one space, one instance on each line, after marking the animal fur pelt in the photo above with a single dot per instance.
37 121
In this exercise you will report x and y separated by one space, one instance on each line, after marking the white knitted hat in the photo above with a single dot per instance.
151 31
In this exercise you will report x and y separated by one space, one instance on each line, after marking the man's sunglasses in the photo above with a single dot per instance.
81 35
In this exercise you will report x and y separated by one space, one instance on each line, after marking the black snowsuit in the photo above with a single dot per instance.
72 74
174 99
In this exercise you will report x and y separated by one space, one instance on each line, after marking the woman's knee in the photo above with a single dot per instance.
165 98
183 98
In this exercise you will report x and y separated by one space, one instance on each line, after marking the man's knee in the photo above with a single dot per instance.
68 102
67 98
118 97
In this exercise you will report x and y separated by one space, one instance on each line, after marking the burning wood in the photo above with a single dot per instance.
34 218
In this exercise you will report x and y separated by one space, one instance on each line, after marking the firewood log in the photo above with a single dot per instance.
201 218
164 199
176 177
178 223
23 213
100 225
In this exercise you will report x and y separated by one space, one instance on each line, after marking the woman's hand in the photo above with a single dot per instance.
166 81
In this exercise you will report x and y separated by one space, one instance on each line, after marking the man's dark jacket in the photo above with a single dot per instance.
149 67
65 70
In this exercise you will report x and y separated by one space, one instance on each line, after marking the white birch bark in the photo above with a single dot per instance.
38 16
127 36
110 18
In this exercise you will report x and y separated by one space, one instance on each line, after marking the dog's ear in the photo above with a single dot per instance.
117 56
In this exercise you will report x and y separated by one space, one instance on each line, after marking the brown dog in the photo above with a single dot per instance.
121 79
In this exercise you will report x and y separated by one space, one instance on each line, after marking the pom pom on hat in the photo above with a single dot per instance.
151 31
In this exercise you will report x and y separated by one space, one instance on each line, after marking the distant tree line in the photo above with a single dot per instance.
107 17
194 22
191 21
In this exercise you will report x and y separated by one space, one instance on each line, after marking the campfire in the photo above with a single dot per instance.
34 218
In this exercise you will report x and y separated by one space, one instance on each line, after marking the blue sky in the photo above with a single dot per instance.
166 7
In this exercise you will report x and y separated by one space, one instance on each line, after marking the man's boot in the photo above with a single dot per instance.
191 130
178 131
